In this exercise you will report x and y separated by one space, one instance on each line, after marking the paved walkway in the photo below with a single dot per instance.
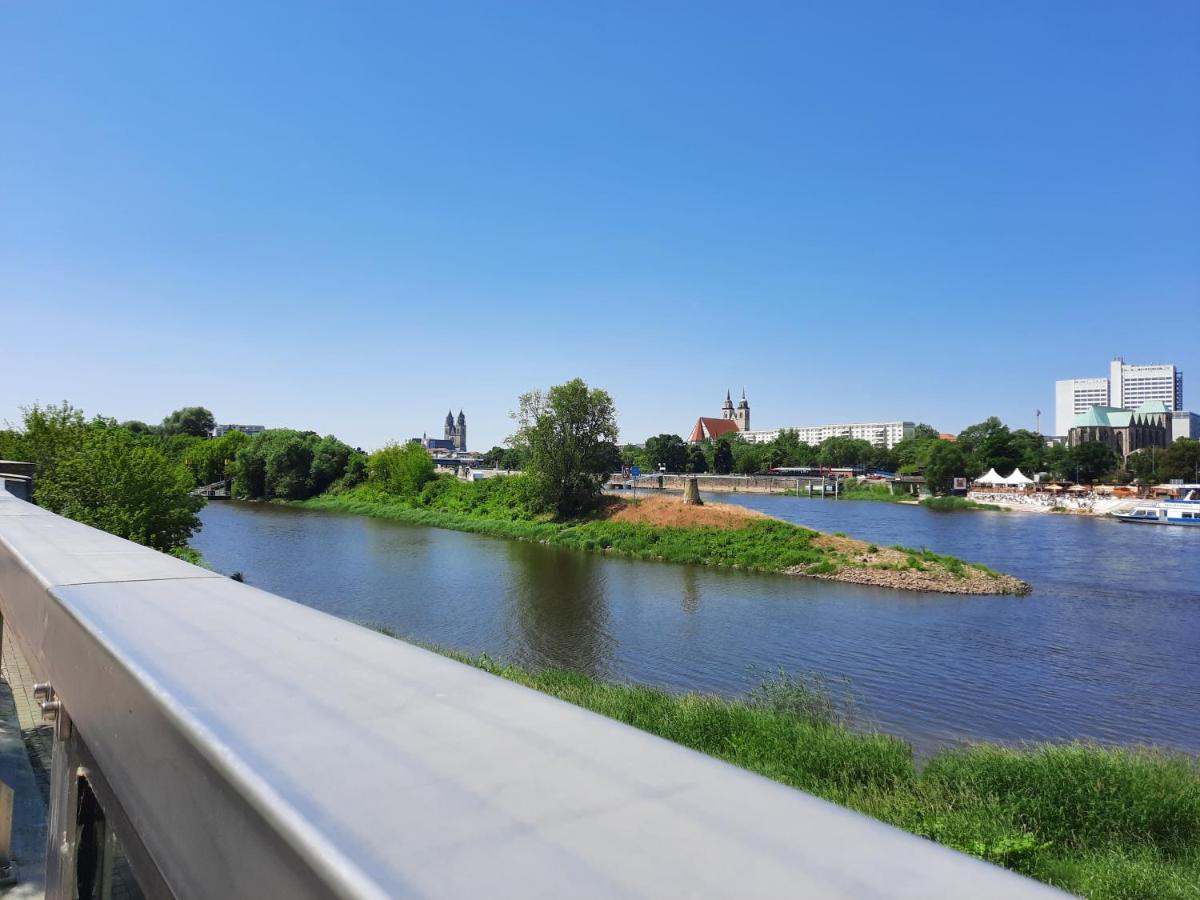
38 748
39 737
25 745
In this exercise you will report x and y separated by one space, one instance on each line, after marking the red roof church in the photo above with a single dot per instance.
710 428
731 422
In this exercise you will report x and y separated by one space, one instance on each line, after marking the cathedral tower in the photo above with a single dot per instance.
742 416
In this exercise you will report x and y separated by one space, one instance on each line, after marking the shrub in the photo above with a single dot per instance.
400 469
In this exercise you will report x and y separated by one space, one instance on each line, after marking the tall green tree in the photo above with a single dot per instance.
697 462
989 445
1091 461
667 450
945 462
112 481
400 469
568 435
723 457
211 461
925 431
50 433
288 464
749 458
1181 460
194 420
788 450
1029 449
844 451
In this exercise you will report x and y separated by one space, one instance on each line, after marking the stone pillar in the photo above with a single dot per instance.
691 492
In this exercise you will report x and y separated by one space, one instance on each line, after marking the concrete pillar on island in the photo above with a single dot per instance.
691 492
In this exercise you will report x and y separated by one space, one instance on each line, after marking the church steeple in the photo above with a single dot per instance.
727 406
742 416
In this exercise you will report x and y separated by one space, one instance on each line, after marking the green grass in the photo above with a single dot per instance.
955 503
502 507
880 493
1111 824
857 491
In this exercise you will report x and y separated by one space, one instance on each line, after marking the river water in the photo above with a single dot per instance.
1107 646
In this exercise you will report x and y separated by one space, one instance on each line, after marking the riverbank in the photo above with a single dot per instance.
664 529
1101 822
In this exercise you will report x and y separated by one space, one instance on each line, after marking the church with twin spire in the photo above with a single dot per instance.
733 419
454 435
456 431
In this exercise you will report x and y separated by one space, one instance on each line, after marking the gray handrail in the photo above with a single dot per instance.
260 748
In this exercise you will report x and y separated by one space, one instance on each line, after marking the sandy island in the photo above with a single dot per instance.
859 562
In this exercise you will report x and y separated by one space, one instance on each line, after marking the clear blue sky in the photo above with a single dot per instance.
349 218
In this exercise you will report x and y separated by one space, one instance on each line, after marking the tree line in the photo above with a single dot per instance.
135 480
976 449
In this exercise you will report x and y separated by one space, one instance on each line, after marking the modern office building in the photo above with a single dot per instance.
1131 386
1126 387
881 434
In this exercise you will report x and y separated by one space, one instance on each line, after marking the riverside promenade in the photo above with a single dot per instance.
718 484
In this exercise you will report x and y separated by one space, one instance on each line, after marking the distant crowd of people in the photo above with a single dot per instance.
1080 502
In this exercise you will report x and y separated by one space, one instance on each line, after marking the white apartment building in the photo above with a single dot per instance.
1077 395
1185 425
244 429
1131 386
1126 387
881 434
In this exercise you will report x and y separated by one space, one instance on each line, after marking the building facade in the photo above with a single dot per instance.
244 429
1073 396
1124 430
733 420
1185 425
739 416
880 434
1126 387
1131 386
454 435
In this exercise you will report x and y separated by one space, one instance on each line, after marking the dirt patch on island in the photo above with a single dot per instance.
847 559
863 563
669 512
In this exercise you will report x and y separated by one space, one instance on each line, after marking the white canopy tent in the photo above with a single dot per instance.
1016 479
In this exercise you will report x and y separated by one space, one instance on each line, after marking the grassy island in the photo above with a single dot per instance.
663 528
1105 823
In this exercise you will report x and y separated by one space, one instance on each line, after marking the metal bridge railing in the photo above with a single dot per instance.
242 745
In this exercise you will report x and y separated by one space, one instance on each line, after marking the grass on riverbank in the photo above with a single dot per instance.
956 503
752 542
1111 824
853 490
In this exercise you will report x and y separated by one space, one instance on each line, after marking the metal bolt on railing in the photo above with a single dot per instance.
50 710
42 690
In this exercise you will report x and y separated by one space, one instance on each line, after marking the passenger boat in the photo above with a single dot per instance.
1185 511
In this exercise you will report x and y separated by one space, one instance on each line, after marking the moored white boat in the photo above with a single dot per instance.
1184 511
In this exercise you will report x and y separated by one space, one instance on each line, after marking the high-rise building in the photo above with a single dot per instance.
1126 387
1131 386
1077 395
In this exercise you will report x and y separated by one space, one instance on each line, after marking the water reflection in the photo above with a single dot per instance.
1103 648
690 598
558 599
